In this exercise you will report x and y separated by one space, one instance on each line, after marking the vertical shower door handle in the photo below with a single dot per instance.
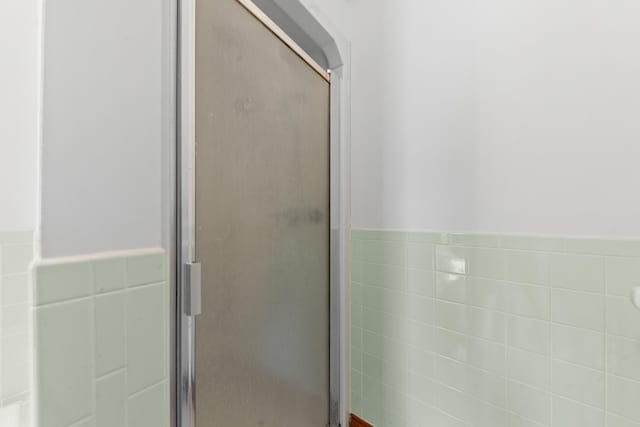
192 289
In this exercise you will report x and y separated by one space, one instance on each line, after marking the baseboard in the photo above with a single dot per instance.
356 421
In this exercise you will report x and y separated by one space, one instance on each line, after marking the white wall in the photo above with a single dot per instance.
509 116
360 23
19 76
108 117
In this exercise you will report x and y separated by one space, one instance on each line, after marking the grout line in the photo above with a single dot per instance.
147 388
551 348
111 373
126 347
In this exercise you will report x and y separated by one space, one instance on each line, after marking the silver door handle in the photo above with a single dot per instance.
192 289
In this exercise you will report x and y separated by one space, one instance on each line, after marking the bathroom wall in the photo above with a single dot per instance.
508 116
360 25
102 340
494 330
108 125
16 253
101 292
19 107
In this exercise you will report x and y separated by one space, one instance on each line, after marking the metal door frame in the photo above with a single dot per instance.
183 376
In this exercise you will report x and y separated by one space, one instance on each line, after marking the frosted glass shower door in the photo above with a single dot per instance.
262 226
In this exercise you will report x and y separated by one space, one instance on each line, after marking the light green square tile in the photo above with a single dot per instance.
620 247
146 269
378 235
451 259
149 408
451 287
15 258
527 267
420 308
420 282
394 301
388 276
64 362
14 319
584 310
356 315
111 400
428 237
372 343
146 327
420 255
621 275
532 243
622 317
420 362
616 421
385 252
372 297
356 357
356 381
110 332
567 412
486 324
109 274
16 237
578 383
478 240
579 346
59 282
85 423
528 300
487 293
15 289
623 355
356 248
451 316
356 293
529 334
579 272
356 403
15 368
450 344
623 396
484 262
356 337
357 270
529 403
372 401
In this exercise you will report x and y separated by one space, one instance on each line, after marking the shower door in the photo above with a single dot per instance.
262 226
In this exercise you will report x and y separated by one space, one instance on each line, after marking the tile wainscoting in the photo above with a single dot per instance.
102 337
16 254
494 330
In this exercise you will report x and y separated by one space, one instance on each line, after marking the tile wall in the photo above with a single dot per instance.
102 337
494 331
16 254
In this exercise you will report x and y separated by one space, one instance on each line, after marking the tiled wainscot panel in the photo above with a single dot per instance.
16 254
494 330
102 336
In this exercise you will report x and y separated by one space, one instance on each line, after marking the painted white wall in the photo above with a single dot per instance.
19 77
360 23
509 116
108 117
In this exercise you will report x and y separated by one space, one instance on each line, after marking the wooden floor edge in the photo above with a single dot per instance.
356 421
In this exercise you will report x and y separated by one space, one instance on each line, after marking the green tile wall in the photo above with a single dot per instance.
16 253
102 337
494 330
